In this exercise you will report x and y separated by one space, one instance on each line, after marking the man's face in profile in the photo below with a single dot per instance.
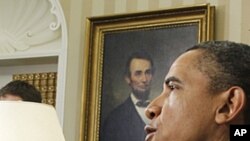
180 112
140 76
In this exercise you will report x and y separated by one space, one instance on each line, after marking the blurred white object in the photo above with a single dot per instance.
29 121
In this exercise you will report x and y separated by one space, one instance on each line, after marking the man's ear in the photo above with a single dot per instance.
231 105
127 79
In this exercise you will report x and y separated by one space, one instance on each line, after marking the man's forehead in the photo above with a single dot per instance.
139 62
188 58
139 59
10 97
185 63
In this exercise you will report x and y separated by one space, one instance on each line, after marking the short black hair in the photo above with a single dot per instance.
138 55
22 89
227 64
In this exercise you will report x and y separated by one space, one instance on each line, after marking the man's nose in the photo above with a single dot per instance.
143 77
153 110
146 77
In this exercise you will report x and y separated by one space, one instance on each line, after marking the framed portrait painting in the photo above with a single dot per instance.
110 40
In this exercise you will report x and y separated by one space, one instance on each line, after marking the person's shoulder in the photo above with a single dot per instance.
121 110
126 105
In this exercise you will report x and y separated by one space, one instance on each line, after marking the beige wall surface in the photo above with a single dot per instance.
232 23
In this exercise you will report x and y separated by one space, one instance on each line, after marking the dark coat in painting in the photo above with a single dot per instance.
123 124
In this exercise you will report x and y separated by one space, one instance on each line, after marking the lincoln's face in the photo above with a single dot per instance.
140 76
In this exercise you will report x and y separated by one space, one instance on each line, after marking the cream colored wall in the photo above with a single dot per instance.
232 23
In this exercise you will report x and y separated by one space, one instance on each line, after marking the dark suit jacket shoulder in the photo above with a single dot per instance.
123 124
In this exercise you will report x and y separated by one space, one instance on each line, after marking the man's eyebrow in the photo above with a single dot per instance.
172 78
138 71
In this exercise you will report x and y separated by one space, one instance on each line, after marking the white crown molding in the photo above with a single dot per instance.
26 25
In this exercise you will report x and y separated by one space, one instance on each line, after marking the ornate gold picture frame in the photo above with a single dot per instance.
110 39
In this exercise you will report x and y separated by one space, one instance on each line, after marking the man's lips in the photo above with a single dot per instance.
143 86
150 132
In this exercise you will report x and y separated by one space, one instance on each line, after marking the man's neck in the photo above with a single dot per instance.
220 134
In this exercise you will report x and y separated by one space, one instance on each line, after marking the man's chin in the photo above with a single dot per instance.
141 94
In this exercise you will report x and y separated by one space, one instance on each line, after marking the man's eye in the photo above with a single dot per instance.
171 85
148 72
137 73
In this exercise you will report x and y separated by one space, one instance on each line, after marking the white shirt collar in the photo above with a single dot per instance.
140 110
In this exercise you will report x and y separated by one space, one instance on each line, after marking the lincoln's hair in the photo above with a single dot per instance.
138 55
227 64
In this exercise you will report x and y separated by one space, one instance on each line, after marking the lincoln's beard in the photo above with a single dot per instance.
141 95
